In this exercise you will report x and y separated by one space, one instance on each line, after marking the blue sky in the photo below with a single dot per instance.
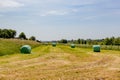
62 19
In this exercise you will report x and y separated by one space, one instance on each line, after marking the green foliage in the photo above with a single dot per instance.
79 41
106 41
112 41
7 33
63 41
32 38
117 41
22 35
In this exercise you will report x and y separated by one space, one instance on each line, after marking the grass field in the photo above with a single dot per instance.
61 63
11 46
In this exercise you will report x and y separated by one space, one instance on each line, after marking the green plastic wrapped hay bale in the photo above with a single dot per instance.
72 45
96 48
54 44
25 49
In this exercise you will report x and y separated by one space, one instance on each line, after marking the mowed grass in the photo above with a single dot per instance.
61 63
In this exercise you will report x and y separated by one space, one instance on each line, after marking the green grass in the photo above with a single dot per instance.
80 52
36 52
61 63
11 46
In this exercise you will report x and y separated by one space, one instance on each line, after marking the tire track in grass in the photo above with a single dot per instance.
36 52
88 58
26 59
78 53
61 62
110 58
40 55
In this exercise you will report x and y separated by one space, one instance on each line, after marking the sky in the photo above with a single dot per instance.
62 19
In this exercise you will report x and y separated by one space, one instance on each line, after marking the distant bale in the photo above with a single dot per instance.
25 49
96 48
72 45
54 44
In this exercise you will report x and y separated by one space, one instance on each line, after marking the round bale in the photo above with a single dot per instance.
54 44
72 45
25 49
96 48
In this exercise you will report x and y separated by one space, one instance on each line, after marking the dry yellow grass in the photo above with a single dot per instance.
62 63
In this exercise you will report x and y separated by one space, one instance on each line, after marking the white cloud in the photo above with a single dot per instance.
54 12
89 17
75 10
10 4
58 12
83 2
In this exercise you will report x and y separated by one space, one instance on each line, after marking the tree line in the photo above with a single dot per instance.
7 33
106 41
10 33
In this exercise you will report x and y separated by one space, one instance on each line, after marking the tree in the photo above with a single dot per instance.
64 41
32 38
83 41
0 33
12 33
7 33
79 41
112 40
107 41
89 41
22 35
117 41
